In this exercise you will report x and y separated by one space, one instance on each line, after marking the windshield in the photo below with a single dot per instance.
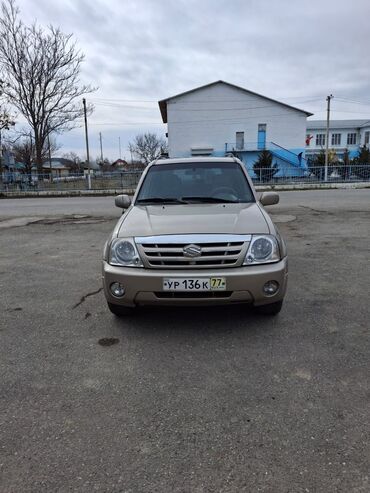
184 183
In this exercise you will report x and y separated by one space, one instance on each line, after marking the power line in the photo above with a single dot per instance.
236 120
199 100
111 105
352 101
349 111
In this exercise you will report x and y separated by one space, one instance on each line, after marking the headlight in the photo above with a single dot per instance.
123 252
263 249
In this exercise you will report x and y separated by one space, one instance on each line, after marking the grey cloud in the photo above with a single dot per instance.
145 49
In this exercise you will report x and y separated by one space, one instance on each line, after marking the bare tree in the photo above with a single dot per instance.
24 150
148 147
105 165
41 70
76 165
6 121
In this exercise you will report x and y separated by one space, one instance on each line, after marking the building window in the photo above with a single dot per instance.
320 139
335 139
367 138
351 139
239 138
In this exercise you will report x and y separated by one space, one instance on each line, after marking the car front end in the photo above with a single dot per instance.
194 252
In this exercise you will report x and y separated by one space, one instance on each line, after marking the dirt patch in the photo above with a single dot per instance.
75 219
283 218
17 222
108 341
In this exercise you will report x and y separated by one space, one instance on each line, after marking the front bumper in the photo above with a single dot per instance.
243 285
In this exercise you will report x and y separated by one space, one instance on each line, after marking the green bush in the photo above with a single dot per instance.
263 167
344 167
316 165
362 164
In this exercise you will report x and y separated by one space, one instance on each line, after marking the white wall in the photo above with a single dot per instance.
343 131
210 117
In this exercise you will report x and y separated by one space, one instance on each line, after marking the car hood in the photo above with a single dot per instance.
154 220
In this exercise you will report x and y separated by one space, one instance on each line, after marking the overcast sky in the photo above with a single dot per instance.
140 51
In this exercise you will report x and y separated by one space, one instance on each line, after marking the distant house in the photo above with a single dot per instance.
60 167
120 164
343 134
221 118
93 167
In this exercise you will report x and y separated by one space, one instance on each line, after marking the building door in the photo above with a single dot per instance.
239 137
261 144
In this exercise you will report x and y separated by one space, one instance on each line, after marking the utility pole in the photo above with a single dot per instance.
87 146
119 146
51 168
328 99
101 148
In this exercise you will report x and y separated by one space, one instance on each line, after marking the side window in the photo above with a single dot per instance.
351 138
335 139
320 139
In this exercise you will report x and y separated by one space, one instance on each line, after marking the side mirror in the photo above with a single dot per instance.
269 198
122 201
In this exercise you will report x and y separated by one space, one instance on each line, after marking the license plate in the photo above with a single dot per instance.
194 284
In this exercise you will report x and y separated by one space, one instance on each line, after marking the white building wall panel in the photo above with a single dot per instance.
211 116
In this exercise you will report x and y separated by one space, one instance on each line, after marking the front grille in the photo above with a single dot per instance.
213 254
193 294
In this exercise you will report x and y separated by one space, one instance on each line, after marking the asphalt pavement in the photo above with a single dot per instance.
183 400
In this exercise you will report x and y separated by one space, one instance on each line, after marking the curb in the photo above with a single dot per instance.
65 193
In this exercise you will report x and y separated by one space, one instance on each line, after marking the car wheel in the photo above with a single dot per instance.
119 310
271 309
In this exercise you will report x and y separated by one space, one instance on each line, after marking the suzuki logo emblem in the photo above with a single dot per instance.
192 250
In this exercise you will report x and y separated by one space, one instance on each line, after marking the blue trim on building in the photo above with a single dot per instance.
290 162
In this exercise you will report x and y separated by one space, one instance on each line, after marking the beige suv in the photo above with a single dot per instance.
195 234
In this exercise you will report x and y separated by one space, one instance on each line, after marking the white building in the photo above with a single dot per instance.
219 118
343 134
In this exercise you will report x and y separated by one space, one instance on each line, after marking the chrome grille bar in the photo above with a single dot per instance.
217 251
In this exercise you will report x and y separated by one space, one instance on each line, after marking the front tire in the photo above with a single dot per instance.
271 309
120 311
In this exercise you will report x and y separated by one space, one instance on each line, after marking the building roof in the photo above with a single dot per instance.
119 162
163 103
57 163
321 124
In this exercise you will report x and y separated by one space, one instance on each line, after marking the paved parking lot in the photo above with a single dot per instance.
187 400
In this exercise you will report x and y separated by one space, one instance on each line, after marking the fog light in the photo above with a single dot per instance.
117 289
270 288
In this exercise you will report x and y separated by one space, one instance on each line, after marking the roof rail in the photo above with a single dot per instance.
155 160
232 155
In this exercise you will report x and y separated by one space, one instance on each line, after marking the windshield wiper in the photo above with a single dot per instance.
214 200
160 200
